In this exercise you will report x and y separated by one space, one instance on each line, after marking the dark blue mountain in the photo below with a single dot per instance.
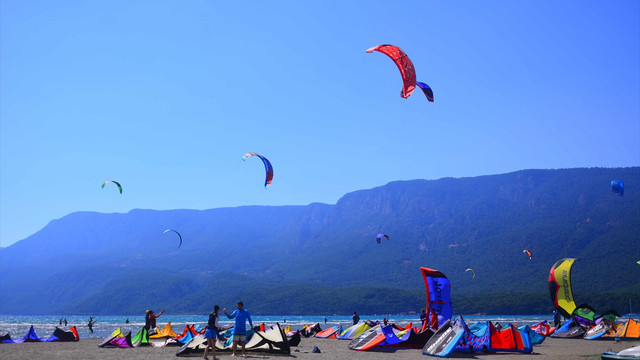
84 259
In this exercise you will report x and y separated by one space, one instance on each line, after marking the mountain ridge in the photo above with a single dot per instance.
450 224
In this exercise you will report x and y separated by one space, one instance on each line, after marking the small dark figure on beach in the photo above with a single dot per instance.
556 319
127 321
91 323
355 318
240 330
65 322
60 321
385 321
325 320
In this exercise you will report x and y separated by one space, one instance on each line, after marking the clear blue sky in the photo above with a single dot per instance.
166 96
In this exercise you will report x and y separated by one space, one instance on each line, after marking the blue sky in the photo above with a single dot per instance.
166 96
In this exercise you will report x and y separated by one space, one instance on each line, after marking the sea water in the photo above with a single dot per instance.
44 326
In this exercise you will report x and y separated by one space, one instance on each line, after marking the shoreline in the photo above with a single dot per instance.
330 349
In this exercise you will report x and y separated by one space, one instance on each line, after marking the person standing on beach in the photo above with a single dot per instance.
423 318
433 322
239 331
65 322
355 318
556 319
150 320
211 332
91 323
60 321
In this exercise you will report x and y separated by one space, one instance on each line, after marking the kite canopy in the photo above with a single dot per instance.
180 236
472 271
617 186
403 63
380 236
267 166
560 287
438 293
528 252
113 181
426 90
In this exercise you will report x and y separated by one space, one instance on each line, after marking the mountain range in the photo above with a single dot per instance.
324 259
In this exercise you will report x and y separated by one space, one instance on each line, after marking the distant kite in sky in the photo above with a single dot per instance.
404 64
180 236
407 70
528 253
617 186
115 182
267 166
380 236
472 271
426 90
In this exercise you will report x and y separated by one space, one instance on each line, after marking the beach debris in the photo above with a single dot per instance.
316 350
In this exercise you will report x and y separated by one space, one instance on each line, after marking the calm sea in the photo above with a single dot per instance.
18 326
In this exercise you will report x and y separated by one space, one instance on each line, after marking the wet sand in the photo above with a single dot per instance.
331 349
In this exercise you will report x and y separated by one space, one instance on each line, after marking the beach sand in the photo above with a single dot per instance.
331 349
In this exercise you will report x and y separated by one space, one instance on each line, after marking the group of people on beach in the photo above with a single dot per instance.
429 321
213 329
150 321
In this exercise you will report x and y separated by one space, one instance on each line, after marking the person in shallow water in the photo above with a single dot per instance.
239 331
91 323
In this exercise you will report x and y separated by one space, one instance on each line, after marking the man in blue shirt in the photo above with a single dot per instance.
240 330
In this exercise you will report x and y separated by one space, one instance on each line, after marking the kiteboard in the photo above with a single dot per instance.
596 331
368 339
445 340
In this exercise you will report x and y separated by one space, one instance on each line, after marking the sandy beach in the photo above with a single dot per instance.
331 349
